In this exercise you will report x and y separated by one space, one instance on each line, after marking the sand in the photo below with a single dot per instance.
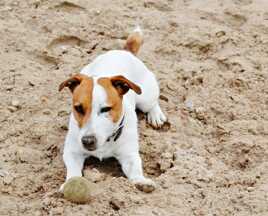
211 60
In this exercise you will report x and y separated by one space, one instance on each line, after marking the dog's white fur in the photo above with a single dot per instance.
126 148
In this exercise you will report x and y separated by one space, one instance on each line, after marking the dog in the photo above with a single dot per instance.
103 122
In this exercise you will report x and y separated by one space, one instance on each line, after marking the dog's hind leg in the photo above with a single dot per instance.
148 103
156 117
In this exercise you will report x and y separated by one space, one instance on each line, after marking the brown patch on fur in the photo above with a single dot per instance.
115 88
82 95
82 87
114 99
122 85
134 42
72 82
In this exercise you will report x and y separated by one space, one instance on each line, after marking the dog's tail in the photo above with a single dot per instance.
134 41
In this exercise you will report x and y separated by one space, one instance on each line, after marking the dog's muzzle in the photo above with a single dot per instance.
89 142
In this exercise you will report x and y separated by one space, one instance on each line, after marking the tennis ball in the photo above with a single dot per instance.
77 190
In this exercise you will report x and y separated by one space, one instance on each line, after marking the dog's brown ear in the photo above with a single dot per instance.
72 82
122 85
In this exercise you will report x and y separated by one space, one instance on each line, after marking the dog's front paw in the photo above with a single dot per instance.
156 117
145 185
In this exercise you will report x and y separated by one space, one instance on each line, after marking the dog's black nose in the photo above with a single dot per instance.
89 142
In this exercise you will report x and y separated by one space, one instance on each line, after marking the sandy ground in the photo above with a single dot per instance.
211 60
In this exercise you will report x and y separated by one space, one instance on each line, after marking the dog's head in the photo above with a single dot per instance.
97 106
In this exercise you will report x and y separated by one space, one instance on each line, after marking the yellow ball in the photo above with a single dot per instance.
77 190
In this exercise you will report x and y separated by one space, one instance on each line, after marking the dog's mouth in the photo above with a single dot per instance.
90 148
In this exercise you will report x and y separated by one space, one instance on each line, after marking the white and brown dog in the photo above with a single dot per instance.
103 122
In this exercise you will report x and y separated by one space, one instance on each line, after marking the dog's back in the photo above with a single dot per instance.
120 62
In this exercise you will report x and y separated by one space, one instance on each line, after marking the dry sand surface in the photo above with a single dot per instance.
211 60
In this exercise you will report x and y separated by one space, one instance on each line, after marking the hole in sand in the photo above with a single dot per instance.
65 41
109 166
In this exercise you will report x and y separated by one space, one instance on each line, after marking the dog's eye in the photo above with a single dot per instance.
79 108
105 109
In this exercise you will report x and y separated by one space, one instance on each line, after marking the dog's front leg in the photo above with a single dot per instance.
74 163
132 167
